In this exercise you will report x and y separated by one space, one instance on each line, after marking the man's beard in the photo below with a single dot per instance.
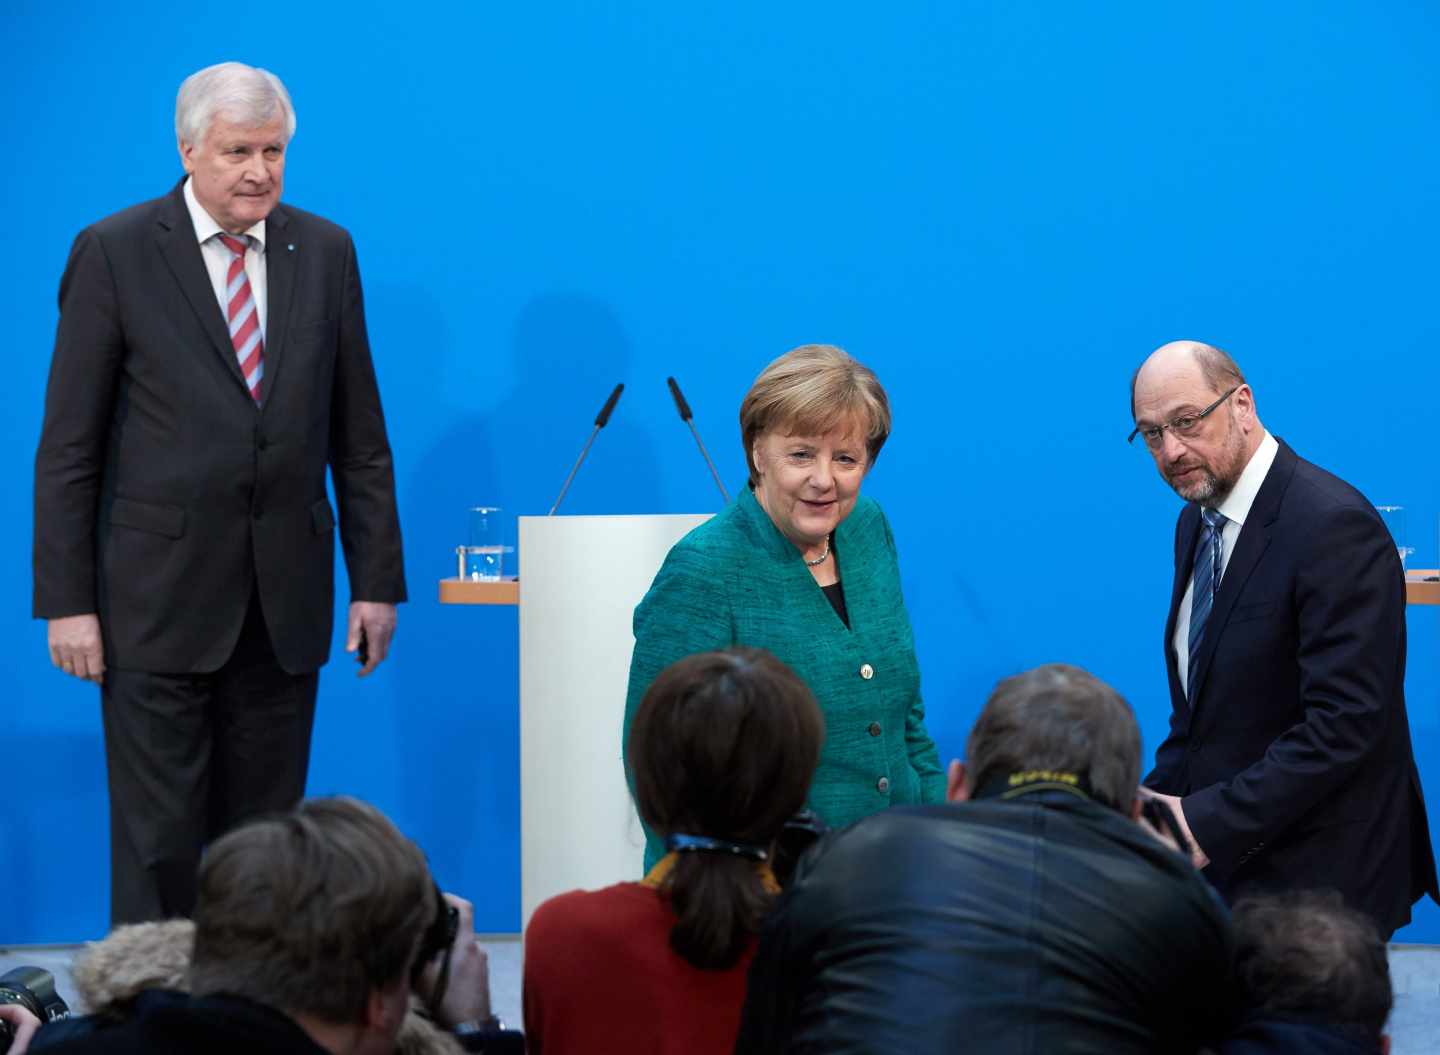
1202 489
1210 487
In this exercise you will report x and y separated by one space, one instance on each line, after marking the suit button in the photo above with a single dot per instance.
874 728
883 785
867 671
1194 747
260 443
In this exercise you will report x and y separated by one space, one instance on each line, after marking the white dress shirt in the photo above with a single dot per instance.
1235 509
217 257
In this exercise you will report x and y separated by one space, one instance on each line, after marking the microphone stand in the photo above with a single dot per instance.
600 420
687 417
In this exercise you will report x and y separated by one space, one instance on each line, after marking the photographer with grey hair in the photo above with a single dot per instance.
1314 977
1030 913
210 363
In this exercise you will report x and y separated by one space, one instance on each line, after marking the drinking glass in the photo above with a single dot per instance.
482 558
1394 517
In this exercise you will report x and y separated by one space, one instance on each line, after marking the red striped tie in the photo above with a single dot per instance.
244 317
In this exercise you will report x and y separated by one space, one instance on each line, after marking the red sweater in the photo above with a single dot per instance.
601 978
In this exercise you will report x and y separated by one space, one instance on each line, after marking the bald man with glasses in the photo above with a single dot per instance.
1288 760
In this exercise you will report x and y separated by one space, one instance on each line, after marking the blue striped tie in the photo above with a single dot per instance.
1207 579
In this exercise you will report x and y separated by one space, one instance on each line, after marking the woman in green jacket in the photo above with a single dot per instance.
802 566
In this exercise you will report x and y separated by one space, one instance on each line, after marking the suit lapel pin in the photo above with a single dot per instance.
291 247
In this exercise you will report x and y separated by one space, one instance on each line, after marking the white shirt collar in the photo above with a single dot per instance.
1237 503
205 226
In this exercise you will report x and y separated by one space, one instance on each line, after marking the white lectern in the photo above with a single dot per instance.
580 579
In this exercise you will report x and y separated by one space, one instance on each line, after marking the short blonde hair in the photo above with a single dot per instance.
809 391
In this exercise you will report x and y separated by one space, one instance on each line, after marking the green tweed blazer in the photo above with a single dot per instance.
736 580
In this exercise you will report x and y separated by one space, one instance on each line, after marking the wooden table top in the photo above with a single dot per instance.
507 591
1417 590
468 591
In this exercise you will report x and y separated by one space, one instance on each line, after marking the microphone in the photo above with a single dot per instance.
680 404
603 418
600 420
687 417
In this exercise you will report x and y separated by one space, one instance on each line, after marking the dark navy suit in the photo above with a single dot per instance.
1292 753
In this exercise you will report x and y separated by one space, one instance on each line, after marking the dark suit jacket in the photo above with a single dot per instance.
162 492
1293 753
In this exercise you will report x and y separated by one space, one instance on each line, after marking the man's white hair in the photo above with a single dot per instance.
243 94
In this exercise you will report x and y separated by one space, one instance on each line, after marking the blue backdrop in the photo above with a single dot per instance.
1001 207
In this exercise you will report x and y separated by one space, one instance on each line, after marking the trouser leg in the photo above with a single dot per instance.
263 718
157 754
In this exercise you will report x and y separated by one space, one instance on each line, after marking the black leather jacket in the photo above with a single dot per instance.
1042 924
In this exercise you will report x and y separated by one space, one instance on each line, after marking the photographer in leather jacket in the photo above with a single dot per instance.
1033 912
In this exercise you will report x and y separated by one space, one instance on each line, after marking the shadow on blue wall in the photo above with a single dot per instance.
512 450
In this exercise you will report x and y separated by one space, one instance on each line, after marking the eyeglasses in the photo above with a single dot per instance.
1185 426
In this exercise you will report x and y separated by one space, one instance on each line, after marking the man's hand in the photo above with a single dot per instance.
467 996
76 648
22 1022
1172 802
376 622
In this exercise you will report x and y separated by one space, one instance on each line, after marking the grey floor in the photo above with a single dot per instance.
1414 973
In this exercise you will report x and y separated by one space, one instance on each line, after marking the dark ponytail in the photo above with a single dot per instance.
724 745
719 901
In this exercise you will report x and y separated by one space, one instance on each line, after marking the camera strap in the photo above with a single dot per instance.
1028 781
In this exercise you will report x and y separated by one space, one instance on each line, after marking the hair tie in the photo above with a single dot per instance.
703 843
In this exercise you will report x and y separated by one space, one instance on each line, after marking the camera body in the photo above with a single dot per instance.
33 988
437 938
800 833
